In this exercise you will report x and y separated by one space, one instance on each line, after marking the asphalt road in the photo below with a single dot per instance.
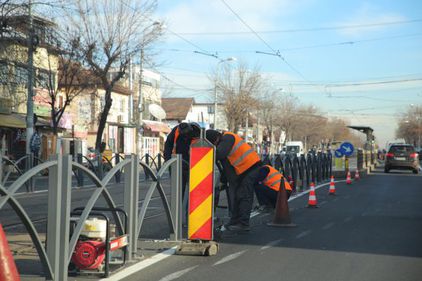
371 230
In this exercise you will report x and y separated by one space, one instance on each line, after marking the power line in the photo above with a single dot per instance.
310 46
303 29
174 33
275 52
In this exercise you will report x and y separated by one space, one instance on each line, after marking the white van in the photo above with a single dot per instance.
294 147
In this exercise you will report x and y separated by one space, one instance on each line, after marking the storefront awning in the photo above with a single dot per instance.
15 120
156 126
12 121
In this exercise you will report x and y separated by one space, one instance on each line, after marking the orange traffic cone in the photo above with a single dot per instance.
281 214
291 182
8 271
312 202
332 190
348 178
357 177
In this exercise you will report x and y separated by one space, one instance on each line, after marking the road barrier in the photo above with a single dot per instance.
312 167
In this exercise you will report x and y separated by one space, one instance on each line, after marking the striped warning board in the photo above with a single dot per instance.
201 182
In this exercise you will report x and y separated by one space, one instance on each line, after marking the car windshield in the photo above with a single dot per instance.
293 149
402 149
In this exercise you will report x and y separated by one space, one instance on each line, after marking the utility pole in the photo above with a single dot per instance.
30 101
139 109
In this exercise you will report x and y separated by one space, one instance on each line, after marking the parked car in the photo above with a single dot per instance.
403 157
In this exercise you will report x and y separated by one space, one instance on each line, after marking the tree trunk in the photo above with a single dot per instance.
103 118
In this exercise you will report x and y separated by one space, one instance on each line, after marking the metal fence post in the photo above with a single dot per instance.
130 197
176 197
60 182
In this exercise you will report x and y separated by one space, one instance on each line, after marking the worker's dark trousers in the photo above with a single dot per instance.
267 196
244 198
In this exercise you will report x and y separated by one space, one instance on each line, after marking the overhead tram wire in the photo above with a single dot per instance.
302 29
344 43
174 33
275 52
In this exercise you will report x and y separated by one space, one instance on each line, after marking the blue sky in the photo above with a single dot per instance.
373 45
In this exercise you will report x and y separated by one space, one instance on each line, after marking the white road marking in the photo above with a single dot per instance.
141 265
229 258
177 274
303 234
272 244
328 225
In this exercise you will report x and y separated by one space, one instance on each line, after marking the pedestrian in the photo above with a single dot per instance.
240 167
35 145
267 186
178 142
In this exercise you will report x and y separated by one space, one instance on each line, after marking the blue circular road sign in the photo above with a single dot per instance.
347 148
338 153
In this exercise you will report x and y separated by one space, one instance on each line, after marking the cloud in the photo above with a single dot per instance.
368 14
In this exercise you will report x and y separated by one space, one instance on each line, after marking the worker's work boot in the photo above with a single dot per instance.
237 227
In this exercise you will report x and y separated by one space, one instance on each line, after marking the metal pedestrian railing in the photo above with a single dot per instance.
56 255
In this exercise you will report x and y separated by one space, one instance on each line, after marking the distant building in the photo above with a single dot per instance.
14 80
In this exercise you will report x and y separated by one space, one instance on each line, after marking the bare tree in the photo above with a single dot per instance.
286 118
238 88
111 33
410 125
66 81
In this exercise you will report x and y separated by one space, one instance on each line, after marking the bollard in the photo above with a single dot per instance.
118 173
100 171
147 162
159 161
80 176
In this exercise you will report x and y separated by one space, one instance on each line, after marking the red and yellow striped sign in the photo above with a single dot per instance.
201 182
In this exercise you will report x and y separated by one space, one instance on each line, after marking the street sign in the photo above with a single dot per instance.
338 153
347 148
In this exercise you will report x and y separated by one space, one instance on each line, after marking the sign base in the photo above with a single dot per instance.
197 248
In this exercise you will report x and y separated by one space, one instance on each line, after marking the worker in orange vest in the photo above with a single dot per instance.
178 142
240 167
267 186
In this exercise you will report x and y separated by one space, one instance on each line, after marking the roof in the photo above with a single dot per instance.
156 126
361 128
177 108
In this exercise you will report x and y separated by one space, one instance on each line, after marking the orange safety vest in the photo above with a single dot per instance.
176 136
241 156
273 180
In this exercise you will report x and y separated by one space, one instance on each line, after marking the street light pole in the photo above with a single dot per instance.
30 101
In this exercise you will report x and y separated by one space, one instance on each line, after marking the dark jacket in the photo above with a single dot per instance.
182 145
